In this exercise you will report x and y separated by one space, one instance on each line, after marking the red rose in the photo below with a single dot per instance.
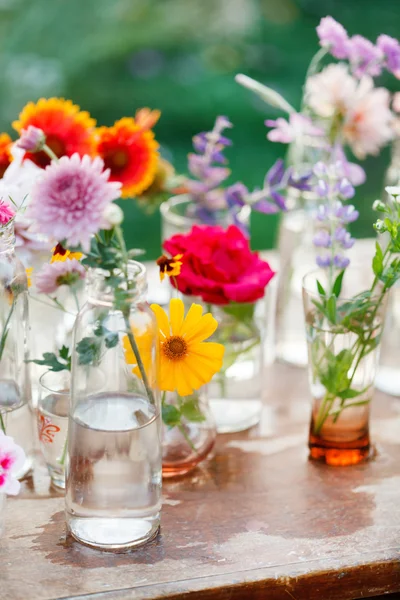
219 266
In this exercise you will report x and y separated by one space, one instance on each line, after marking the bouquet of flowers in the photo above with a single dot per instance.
341 106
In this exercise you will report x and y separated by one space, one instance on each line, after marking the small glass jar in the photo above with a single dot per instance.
52 419
235 391
189 442
15 385
178 216
113 469
342 368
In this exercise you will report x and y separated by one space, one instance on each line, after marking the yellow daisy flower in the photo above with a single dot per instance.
29 271
187 361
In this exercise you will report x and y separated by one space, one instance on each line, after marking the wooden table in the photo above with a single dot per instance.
257 521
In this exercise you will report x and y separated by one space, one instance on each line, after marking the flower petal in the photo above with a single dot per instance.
162 319
183 378
202 330
176 315
210 352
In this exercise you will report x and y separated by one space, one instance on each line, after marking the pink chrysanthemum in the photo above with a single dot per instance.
69 201
12 458
56 274
32 139
6 213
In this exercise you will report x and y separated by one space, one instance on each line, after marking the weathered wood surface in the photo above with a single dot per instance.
256 521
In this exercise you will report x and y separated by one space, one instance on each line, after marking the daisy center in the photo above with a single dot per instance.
175 348
116 160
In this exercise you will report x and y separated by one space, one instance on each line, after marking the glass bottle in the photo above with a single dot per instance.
113 467
189 442
15 385
388 377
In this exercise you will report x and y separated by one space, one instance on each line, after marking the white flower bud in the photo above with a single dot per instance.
379 206
113 215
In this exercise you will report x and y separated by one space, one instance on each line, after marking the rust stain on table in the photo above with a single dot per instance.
256 521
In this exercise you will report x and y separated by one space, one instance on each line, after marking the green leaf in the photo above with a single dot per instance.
331 309
377 261
241 312
350 393
111 339
337 286
170 415
64 353
191 410
320 289
89 351
51 361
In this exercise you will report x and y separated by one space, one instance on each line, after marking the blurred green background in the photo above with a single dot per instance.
114 56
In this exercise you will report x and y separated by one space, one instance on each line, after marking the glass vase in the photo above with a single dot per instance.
113 469
296 252
188 442
343 356
235 392
178 216
15 386
52 420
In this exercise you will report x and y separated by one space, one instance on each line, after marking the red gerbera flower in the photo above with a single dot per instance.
5 152
129 150
67 128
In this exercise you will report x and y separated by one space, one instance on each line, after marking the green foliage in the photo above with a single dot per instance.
173 415
55 363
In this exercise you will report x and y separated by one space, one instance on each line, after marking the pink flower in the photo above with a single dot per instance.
219 265
331 91
368 120
365 58
32 139
53 275
363 109
68 203
12 458
6 213
287 131
333 35
391 49
27 241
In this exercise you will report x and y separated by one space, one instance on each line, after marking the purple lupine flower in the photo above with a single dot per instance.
320 169
340 261
365 58
322 188
343 237
390 47
299 182
333 35
345 189
235 195
275 174
352 171
322 239
324 261
347 214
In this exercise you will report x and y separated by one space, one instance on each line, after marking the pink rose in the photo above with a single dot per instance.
219 266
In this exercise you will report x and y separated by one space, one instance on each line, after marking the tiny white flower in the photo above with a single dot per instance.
393 190
113 215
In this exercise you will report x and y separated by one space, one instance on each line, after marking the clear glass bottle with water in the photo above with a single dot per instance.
15 386
114 459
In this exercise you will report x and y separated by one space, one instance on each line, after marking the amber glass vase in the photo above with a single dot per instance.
342 364
189 432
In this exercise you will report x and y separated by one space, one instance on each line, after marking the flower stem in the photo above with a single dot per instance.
50 153
187 438
2 424
139 361
64 454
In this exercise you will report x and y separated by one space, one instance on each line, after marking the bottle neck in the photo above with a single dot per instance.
100 292
7 237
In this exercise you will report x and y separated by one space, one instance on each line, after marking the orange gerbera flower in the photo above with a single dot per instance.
67 128
129 150
5 152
